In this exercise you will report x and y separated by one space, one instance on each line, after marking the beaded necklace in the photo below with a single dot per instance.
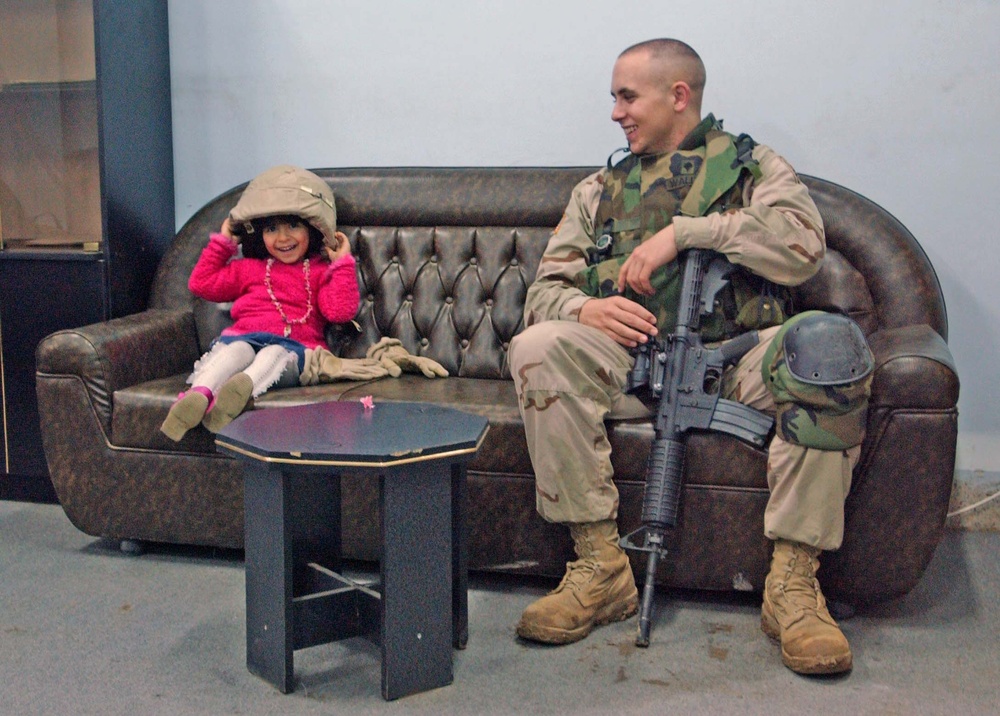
270 292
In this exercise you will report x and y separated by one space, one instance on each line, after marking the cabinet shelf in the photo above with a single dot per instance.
47 253
15 90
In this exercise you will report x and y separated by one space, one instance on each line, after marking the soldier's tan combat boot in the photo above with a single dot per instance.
597 589
794 612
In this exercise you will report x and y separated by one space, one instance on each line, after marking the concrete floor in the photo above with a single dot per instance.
85 629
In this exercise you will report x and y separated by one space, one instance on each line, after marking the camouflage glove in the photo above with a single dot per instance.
322 366
391 354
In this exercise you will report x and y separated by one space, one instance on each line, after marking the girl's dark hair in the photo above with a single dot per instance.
253 242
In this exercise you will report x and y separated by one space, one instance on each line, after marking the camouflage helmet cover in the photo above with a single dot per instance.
828 408
287 189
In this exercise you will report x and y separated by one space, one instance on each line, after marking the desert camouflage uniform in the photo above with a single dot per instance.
570 377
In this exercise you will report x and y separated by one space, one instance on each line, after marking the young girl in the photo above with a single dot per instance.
296 275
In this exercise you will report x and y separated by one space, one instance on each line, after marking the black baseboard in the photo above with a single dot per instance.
27 488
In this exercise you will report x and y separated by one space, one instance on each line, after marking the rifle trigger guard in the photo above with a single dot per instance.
626 542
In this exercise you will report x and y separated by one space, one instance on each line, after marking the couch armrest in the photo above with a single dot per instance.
121 352
913 369
902 483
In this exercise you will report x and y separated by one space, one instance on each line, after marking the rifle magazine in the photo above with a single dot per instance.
741 421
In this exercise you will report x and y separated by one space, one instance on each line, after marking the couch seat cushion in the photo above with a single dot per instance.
139 410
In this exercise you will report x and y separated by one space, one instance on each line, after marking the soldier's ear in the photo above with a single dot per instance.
680 93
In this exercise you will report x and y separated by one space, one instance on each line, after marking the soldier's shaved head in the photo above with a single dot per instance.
677 61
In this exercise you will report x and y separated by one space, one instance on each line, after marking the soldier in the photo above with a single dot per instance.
609 280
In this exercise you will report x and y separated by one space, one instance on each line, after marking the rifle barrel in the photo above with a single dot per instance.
646 608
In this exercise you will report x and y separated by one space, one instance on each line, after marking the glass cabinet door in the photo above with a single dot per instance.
52 268
86 186
50 197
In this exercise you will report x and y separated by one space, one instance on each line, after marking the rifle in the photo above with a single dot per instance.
687 377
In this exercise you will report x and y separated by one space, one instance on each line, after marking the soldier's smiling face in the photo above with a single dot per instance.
644 104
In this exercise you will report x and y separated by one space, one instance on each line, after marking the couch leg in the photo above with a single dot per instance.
133 547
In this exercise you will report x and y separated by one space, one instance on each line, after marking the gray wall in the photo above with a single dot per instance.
896 100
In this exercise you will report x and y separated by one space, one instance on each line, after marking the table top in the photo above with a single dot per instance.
349 434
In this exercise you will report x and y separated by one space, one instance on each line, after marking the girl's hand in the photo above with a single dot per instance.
227 231
343 247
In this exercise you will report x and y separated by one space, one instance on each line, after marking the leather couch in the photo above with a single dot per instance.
445 256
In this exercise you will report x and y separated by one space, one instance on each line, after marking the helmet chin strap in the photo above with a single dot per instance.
612 156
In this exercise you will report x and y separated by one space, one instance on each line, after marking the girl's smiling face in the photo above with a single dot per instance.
287 239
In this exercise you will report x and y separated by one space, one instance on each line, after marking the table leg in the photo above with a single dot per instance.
459 557
416 624
290 520
268 565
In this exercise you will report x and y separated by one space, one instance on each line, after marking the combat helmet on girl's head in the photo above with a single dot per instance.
287 190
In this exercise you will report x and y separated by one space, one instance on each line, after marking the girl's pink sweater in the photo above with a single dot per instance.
335 297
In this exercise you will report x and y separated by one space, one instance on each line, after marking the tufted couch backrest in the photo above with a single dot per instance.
445 256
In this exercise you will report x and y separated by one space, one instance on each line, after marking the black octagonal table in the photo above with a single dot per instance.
295 598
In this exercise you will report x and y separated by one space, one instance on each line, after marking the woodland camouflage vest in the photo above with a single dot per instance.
641 196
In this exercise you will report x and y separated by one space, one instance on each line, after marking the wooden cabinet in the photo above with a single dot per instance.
86 188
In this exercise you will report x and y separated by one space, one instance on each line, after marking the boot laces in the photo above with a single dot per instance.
578 574
801 588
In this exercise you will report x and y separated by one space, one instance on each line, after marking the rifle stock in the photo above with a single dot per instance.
686 377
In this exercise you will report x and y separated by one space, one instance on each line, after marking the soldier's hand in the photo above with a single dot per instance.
656 251
624 321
